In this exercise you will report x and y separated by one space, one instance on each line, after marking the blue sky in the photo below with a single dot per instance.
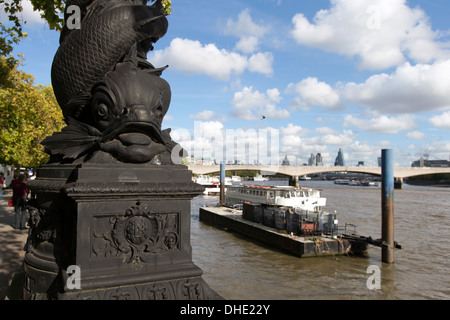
358 75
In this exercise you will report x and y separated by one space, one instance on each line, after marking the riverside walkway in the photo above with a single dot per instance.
11 252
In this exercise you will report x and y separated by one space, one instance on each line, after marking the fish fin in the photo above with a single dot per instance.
73 140
139 24
132 55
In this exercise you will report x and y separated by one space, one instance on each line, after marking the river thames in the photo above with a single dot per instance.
241 269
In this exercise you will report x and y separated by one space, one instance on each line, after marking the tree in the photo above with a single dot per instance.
28 114
51 12
12 33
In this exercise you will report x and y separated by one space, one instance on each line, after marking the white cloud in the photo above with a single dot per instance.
300 142
250 104
207 115
209 127
325 130
335 138
192 57
313 92
362 151
247 44
261 63
409 89
382 33
203 115
245 26
247 30
382 124
29 15
293 130
301 147
415 135
441 121
180 135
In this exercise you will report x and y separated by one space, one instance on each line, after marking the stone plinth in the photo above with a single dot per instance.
126 227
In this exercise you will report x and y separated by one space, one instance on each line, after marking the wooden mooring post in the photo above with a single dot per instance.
387 205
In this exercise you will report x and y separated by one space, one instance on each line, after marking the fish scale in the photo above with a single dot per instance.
88 54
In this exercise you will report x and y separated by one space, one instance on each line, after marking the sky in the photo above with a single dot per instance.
307 76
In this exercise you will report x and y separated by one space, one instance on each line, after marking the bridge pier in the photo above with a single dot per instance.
293 181
398 183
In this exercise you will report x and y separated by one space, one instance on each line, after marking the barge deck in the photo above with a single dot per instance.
301 246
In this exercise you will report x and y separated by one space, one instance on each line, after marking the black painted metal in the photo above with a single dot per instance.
112 201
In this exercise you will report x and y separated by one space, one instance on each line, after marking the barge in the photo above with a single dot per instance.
288 218
230 219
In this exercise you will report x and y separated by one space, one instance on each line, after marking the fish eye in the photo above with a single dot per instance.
102 111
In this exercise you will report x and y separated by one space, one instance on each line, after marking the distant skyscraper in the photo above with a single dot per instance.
312 160
319 160
339 159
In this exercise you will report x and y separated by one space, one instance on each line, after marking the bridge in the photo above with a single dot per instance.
298 171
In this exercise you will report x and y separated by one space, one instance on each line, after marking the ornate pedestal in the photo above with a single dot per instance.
126 227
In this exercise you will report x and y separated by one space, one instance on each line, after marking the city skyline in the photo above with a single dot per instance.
313 160
361 76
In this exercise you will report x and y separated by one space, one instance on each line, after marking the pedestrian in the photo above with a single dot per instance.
2 181
13 181
20 194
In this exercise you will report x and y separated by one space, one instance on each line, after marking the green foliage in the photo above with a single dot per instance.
167 5
12 33
242 173
28 114
51 12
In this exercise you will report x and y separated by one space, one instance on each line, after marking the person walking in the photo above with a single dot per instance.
2 182
20 194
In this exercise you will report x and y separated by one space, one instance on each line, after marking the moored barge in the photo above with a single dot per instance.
288 218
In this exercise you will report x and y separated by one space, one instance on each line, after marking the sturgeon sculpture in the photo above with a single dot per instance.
113 100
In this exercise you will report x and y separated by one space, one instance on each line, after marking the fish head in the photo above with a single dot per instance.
128 108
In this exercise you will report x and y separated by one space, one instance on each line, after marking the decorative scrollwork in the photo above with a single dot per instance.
138 235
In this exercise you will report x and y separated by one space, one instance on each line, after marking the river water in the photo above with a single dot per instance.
241 269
